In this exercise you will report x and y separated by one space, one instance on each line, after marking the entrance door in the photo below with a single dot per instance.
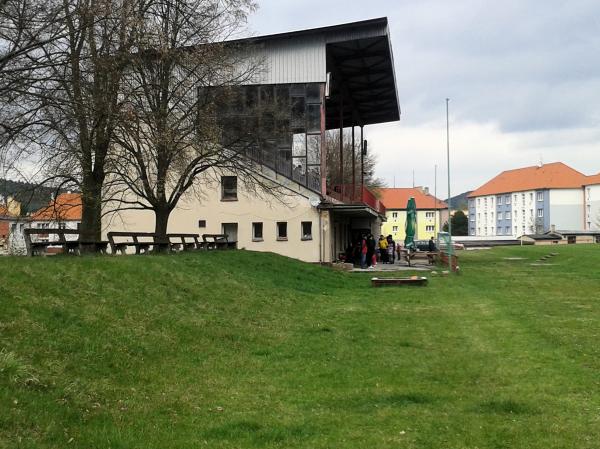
231 229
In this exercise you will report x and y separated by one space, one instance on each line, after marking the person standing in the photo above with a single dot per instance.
370 250
391 249
383 246
363 252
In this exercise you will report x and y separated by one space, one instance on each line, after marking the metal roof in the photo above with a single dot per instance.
358 57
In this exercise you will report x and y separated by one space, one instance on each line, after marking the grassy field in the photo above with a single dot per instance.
246 350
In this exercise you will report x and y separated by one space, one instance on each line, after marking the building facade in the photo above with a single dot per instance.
331 78
530 200
592 203
432 213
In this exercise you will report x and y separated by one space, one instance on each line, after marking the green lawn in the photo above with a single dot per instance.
246 350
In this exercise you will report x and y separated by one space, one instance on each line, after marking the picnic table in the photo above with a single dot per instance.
68 246
430 256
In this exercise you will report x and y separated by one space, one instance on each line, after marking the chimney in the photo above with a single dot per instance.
426 190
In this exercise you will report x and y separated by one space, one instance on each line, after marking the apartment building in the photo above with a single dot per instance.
432 212
529 200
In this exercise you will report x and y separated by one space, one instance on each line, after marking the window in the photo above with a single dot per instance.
228 188
201 223
478 201
499 201
62 226
429 214
394 214
394 229
540 196
515 198
429 228
282 230
507 198
507 230
307 230
257 232
540 213
523 197
499 216
13 228
531 196
507 215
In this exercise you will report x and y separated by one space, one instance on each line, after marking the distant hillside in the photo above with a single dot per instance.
31 196
460 201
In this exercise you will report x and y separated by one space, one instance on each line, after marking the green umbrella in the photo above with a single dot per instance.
411 223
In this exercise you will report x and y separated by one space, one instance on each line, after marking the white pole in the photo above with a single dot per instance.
450 248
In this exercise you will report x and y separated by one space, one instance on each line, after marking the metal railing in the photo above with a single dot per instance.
357 195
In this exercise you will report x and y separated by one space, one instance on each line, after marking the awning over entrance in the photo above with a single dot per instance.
352 210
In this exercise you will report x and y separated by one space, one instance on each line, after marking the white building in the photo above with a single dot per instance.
530 200
592 203
331 78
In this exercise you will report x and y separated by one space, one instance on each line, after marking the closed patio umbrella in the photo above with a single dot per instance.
411 223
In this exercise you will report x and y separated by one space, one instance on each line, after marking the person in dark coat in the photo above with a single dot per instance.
432 247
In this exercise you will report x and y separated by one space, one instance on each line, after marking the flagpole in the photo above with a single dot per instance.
450 248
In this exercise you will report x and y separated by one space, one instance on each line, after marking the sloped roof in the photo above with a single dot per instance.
397 198
548 176
66 207
591 180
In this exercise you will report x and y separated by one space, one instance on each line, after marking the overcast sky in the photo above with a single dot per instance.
523 78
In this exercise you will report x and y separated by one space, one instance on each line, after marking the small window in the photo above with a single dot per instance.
257 232
307 230
540 213
394 214
201 223
540 195
507 198
62 226
507 215
229 188
394 228
282 230
499 202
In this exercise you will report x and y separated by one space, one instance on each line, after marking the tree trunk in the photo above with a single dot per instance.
160 226
91 214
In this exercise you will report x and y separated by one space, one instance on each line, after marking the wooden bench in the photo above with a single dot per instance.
430 256
144 242
217 241
413 280
68 246
141 241
184 242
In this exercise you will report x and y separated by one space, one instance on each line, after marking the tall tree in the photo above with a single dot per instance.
460 224
80 96
174 136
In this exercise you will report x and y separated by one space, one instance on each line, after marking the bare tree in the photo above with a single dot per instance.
187 120
25 27
79 97
332 148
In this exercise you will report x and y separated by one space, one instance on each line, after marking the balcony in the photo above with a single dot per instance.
346 194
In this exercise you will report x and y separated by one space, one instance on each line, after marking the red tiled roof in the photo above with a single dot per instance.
66 207
591 180
548 176
398 198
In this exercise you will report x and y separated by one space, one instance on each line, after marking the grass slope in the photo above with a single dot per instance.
246 350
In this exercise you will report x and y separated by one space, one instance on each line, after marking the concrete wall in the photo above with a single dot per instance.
296 207
566 209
